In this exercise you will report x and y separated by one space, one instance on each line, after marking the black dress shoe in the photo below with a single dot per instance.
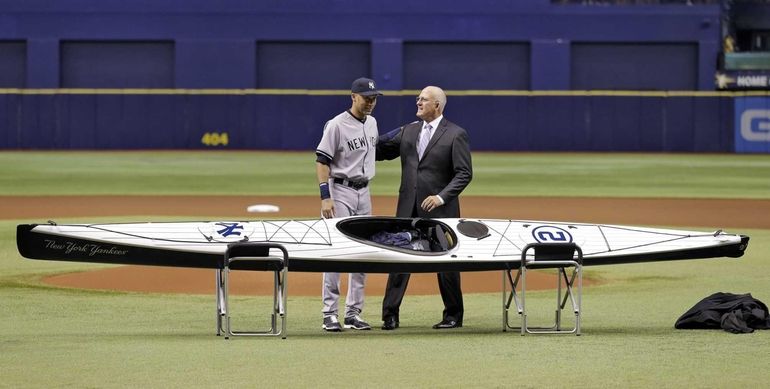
390 324
444 324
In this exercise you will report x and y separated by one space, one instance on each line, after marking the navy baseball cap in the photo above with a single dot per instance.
365 87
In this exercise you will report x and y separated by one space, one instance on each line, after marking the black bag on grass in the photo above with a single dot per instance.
736 313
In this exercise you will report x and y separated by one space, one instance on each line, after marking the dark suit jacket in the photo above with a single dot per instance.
445 168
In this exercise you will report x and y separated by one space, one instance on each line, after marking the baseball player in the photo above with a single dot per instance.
345 165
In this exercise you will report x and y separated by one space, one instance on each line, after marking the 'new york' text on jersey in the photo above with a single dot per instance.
349 145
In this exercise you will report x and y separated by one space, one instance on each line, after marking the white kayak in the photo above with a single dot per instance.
368 243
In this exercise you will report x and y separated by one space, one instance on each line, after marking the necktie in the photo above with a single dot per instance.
422 143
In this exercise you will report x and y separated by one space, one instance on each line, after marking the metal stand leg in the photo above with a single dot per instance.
220 301
551 255
510 298
256 256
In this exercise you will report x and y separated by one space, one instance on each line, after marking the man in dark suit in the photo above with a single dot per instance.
435 168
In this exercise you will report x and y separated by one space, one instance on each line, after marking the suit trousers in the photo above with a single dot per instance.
448 285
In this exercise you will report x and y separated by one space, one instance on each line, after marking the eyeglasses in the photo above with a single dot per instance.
421 99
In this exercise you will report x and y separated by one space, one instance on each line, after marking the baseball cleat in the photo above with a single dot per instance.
331 324
356 323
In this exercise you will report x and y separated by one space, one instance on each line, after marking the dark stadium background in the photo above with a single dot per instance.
533 75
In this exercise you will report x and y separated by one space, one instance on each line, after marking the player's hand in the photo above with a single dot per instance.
430 203
327 208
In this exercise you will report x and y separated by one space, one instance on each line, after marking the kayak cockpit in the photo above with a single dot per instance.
411 235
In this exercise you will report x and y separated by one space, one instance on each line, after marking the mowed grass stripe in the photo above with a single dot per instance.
293 173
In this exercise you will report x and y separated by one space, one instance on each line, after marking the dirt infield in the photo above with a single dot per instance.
707 213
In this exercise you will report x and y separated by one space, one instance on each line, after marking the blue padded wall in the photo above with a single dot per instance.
307 65
223 63
458 65
634 66
271 122
238 45
116 64
13 63
244 43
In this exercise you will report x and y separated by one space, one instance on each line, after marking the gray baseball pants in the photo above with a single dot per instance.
347 202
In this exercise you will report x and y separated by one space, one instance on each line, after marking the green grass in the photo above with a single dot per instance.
271 173
107 339
77 338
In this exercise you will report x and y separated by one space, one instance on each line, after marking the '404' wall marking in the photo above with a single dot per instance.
215 139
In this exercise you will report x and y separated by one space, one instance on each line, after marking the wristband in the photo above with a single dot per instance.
324 187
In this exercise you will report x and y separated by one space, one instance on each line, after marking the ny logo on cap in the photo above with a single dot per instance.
371 84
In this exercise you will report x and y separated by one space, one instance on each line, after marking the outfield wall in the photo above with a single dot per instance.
293 120
310 44
244 74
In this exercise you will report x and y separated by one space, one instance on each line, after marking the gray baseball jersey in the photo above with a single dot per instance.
349 145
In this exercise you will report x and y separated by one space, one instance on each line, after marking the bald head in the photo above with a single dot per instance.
437 94
431 103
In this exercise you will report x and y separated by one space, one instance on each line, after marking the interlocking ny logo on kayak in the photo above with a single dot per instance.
229 229
551 234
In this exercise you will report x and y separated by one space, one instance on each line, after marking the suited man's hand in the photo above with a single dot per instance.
430 203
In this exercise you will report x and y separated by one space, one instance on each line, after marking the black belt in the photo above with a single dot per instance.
353 184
